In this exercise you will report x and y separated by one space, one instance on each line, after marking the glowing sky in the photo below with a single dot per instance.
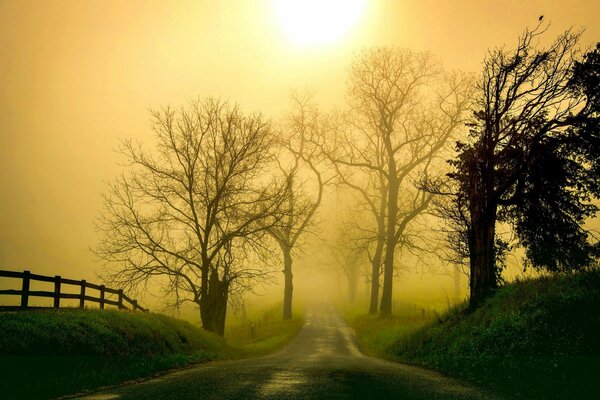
318 22
75 76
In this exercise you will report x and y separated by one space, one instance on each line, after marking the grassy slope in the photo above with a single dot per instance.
375 334
48 353
264 333
535 339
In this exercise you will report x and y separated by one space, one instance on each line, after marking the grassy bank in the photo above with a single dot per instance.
263 332
375 334
534 339
49 353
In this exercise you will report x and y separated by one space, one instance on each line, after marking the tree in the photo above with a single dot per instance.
527 159
193 211
370 186
302 131
399 126
349 251
450 209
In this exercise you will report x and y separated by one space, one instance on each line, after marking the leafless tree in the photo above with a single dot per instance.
193 210
300 163
403 111
367 180
349 251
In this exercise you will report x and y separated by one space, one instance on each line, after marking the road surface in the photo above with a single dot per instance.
322 362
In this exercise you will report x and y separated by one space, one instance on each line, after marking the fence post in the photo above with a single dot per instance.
135 305
82 295
25 289
57 291
102 288
121 299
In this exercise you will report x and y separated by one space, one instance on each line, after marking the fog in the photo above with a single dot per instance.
77 77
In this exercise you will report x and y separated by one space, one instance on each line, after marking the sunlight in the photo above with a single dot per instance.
300 199
317 22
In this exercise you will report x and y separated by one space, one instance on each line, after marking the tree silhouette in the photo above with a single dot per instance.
301 134
349 256
193 211
398 126
525 163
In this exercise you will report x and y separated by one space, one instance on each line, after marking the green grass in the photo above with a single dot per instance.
376 334
73 331
49 353
533 339
263 333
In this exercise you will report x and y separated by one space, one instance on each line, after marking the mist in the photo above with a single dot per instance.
79 77
312 199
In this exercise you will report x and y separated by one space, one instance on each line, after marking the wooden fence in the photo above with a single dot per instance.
83 295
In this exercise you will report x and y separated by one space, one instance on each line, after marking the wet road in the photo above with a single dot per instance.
322 362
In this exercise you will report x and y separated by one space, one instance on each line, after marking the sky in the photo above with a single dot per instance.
77 76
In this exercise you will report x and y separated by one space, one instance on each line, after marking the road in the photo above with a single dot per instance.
322 362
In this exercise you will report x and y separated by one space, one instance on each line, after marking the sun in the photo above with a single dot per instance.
317 22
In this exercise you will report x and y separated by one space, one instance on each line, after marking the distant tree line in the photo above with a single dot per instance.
223 197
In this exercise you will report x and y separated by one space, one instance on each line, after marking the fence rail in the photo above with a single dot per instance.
83 296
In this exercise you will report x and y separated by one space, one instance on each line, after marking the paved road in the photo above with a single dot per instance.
322 362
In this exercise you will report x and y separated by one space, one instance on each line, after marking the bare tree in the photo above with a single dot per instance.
449 207
193 210
364 175
403 112
349 252
301 134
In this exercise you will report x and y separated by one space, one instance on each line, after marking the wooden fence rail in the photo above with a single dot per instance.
83 296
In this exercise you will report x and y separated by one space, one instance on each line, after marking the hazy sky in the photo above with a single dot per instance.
75 76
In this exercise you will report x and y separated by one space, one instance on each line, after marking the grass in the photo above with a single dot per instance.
263 333
49 353
533 339
376 334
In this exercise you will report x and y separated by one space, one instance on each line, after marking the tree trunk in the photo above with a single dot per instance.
482 261
213 306
289 286
375 270
376 263
390 245
388 277
483 210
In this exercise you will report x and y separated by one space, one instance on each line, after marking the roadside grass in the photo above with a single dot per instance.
375 334
49 353
263 332
533 339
